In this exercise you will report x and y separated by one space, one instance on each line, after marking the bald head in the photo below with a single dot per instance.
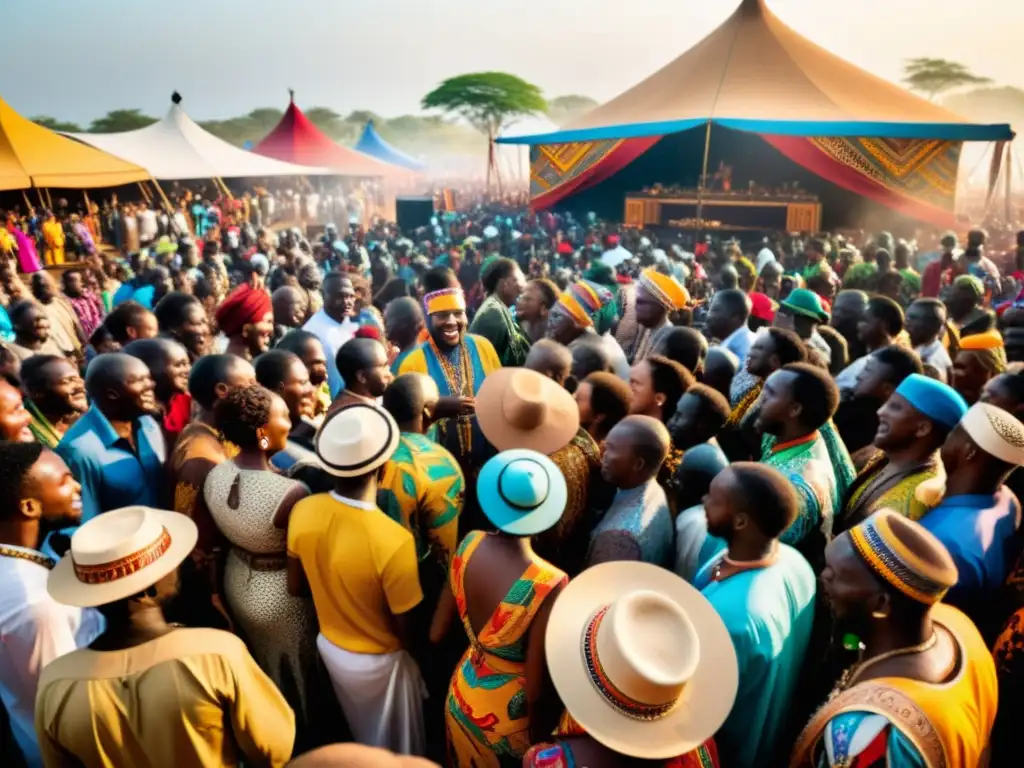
289 305
719 368
120 386
550 359
403 319
409 398
646 438
155 353
363 364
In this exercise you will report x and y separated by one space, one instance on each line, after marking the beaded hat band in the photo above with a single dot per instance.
905 556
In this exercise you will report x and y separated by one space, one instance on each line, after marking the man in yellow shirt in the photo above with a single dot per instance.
53 240
361 568
147 692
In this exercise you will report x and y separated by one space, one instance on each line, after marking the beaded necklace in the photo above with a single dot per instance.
458 374
33 557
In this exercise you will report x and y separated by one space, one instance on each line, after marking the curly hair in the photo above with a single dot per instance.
242 412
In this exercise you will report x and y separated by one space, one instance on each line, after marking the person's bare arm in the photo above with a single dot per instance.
298 584
444 612
543 704
284 511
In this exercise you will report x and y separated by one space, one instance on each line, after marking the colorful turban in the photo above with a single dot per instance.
988 349
762 307
905 555
664 289
938 401
245 305
584 301
996 432
445 300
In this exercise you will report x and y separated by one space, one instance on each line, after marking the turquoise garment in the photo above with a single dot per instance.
809 466
768 613
841 732
6 329
398 360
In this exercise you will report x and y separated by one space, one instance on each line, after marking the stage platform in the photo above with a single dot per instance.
725 211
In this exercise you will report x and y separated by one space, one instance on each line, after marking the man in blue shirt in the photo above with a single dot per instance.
978 517
764 592
727 321
117 450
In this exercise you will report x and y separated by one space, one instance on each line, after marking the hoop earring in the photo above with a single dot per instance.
264 443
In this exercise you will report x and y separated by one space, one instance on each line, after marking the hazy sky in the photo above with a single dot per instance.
77 59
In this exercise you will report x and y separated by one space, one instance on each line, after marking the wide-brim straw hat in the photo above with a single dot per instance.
522 492
356 439
520 408
641 660
119 554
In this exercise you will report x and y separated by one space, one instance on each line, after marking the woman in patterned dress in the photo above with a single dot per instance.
494 709
251 503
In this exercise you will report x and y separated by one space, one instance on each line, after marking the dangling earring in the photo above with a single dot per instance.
264 443
878 615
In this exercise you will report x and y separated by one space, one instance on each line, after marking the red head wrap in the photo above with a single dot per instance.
245 305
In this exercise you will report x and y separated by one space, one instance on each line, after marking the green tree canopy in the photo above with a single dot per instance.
934 76
566 108
328 121
56 125
487 100
121 120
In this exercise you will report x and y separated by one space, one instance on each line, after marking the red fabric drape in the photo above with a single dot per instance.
624 154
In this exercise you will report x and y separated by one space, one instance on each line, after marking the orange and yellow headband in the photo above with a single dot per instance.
445 300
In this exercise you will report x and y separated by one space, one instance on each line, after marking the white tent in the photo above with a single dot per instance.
177 148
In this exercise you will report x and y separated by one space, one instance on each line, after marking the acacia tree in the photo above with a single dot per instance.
120 120
488 101
56 125
934 76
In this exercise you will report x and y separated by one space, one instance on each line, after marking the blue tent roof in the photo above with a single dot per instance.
370 143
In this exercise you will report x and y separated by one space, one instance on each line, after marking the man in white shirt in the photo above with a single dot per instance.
333 324
926 321
148 229
36 489
727 321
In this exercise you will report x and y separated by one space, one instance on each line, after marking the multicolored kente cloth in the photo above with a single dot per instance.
898 722
422 489
877 488
486 717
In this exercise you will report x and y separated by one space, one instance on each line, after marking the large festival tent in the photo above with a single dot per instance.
371 143
755 91
176 148
34 156
295 139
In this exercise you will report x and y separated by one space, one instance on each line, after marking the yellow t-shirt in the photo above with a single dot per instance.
362 569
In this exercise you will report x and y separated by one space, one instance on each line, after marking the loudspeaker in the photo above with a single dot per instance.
413 213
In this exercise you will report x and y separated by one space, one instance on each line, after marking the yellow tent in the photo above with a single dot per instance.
33 156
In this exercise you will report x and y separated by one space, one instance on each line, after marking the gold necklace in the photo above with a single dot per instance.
850 675
33 557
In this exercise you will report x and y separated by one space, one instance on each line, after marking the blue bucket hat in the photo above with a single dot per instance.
522 492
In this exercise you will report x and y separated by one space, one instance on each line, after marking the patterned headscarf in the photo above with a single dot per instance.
664 289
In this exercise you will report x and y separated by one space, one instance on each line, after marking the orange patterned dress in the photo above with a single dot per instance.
486 718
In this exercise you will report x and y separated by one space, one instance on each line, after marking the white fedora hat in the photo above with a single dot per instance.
641 660
120 553
356 439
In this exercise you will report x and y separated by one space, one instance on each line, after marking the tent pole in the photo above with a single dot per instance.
703 182
224 187
163 196
145 193
28 203
42 200
49 199
1009 182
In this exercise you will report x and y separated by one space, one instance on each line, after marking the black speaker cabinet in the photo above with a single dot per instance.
413 213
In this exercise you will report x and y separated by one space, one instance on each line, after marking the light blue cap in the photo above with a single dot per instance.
522 492
938 401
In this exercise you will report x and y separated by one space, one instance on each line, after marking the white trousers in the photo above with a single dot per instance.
381 696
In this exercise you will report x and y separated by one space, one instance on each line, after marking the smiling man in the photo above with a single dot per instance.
117 450
912 426
54 396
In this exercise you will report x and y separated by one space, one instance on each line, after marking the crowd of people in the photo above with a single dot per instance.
510 489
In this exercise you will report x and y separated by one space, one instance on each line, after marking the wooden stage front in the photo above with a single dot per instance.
723 210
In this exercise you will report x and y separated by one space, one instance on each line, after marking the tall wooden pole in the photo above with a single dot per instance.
703 181
1008 162
28 203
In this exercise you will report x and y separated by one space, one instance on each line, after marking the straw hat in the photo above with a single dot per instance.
522 492
641 660
520 408
120 553
356 439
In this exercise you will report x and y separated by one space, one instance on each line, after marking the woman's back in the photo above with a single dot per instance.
246 515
